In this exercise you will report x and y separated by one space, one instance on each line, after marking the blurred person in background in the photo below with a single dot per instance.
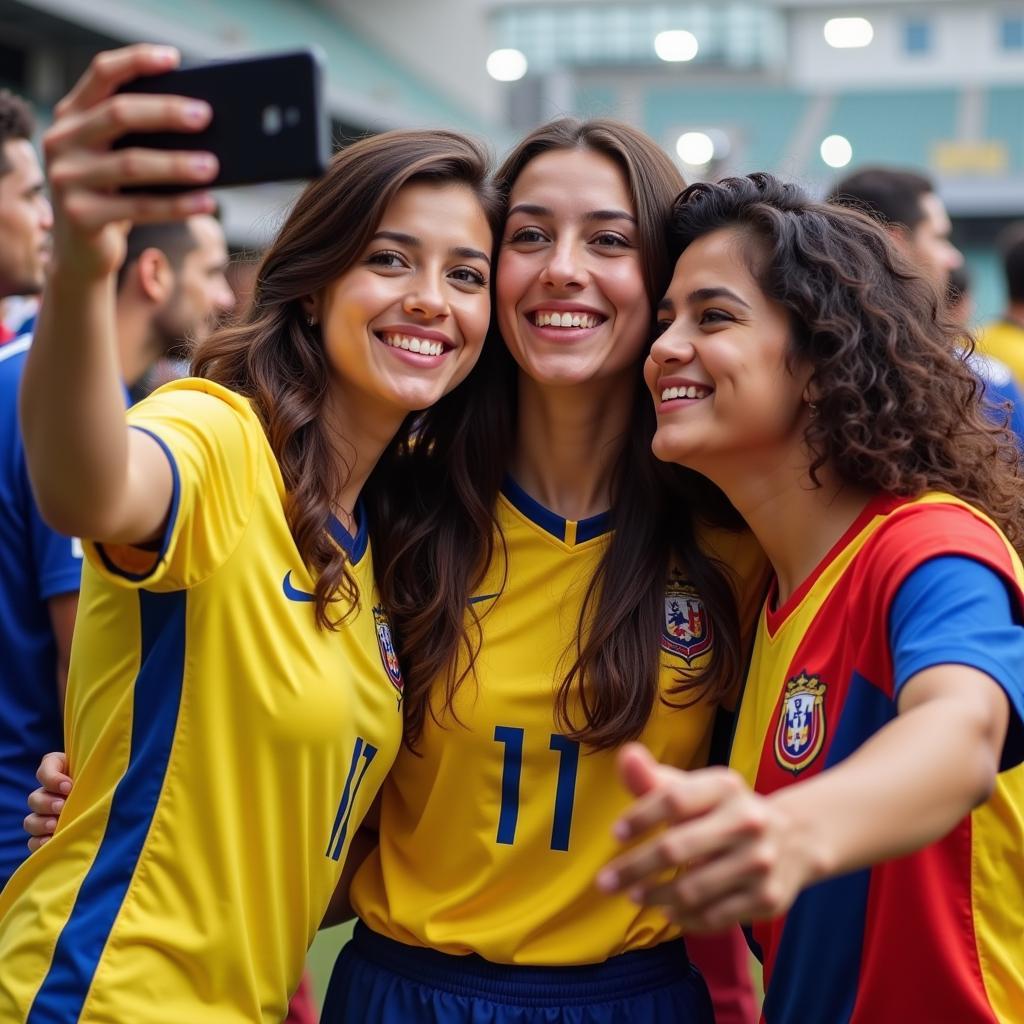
25 214
1003 391
906 203
1004 338
171 285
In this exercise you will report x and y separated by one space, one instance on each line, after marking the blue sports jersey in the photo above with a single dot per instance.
37 564
1000 389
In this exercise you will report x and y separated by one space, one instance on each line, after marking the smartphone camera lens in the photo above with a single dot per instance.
292 116
271 120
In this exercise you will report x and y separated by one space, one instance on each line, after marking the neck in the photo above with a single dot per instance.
568 442
137 344
359 431
796 522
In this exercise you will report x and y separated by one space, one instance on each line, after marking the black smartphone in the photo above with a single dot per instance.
269 121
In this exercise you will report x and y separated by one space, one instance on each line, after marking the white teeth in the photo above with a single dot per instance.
691 391
410 344
555 319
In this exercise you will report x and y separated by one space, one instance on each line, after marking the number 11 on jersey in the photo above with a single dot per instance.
568 752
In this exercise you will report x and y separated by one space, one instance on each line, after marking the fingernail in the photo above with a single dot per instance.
50 824
620 830
58 806
198 112
164 54
65 788
203 163
606 880
199 202
636 894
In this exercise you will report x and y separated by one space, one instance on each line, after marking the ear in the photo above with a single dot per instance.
156 278
310 308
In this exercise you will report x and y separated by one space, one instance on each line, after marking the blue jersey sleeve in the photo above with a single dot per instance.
57 559
954 610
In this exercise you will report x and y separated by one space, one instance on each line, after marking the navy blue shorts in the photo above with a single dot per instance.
380 980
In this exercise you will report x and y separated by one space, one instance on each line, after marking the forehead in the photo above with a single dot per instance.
935 214
448 212
718 258
208 233
22 162
573 179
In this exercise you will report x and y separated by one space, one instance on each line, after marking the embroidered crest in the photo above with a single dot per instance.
387 649
801 730
687 630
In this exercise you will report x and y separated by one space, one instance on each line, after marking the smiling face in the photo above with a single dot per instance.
572 306
725 393
406 323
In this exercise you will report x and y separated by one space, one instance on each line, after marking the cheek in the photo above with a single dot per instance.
474 321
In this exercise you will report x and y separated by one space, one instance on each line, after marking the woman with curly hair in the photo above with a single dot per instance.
804 369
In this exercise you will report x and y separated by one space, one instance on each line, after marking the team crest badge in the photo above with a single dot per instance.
687 630
801 730
387 649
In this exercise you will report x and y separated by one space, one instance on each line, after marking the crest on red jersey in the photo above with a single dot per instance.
800 733
387 649
687 630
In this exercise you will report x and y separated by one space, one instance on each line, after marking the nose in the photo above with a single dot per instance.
426 299
46 214
672 348
564 269
954 257
227 299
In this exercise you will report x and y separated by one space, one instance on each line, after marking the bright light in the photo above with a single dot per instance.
695 148
848 33
676 45
506 65
836 151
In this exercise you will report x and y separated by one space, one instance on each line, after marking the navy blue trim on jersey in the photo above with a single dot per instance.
157 698
354 547
823 937
376 978
586 529
953 610
172 518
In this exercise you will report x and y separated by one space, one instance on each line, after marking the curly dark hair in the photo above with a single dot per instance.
899 409
16 122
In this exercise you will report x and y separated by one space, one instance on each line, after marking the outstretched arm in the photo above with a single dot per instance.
92 476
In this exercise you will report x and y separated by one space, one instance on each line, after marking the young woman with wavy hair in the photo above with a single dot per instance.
871 824
574 603
235 698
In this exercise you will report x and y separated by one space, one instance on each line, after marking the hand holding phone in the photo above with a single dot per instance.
91 218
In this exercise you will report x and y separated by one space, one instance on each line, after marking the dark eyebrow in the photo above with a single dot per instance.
666 306
704 294
465 252
544 211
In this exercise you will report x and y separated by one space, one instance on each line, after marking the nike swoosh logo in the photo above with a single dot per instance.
483 597
293 593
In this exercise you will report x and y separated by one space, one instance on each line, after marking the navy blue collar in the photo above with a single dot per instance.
586 529
354 547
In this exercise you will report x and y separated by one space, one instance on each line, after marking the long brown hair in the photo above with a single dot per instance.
277 360
898 407
441 524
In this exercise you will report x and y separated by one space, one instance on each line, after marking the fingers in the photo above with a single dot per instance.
637 768
43 802
106 171
39 825
111 69
89 211
51 773
36 842
121 115
678 796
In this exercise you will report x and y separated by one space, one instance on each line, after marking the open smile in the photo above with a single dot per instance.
417 349
565 325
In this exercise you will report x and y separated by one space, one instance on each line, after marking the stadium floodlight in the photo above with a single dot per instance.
506 65
697 149
676 45
836 151
849 33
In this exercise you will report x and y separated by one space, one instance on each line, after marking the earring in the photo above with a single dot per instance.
311 320
812 408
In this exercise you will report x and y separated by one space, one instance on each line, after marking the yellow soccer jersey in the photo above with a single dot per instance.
491 840
1005 340
224 751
